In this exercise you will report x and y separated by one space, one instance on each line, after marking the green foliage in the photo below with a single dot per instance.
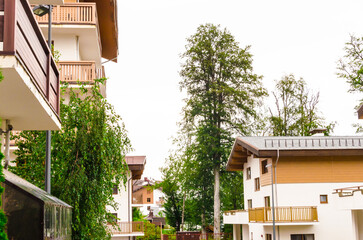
151 232
223 96
56 54
87 159
3 219
173 197
296 112
137 215
351 66
231 191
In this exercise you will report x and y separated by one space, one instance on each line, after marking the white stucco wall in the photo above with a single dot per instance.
66 44
123 200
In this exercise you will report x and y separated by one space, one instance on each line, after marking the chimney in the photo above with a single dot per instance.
318 132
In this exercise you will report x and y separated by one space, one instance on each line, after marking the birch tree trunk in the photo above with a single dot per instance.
217 201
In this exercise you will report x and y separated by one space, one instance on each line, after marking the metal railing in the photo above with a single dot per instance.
126 227
79 71
284 214
348 191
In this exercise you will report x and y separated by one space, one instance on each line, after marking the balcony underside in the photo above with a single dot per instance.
89 47
21 101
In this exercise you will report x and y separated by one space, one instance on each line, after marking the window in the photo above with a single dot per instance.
267 201
302 237
251 235
249 202
115 189
257 184
268 236
148 199
264 166
115 217
323 198
248 173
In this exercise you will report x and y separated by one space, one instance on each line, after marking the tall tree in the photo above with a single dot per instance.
351 65
87 160
223 93
295 112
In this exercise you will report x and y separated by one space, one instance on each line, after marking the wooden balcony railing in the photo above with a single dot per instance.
79 71
74 13
284 214
21 37
126 227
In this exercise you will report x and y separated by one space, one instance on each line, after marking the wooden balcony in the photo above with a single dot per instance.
126 228
31 77
283 214
79 71
74 14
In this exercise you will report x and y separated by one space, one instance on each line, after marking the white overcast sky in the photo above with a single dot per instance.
305 38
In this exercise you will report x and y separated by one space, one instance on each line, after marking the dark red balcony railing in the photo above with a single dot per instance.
21 37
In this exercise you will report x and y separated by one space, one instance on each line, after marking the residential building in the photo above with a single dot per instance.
29 92
84 33
311 176
123 198
148 198
360 112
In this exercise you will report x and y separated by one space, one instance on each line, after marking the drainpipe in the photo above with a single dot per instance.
128 200
277 160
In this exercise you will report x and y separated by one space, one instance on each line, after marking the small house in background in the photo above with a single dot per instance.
158 221
360 112
33 213
147 197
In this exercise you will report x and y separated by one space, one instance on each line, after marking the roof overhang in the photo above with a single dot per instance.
242 149
360 112
136 165
107 18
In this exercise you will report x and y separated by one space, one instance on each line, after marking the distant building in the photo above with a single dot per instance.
318 183
123 198
146 197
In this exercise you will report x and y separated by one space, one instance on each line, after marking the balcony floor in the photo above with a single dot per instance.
20 100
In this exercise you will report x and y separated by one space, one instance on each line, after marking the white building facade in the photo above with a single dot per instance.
306 172
126 228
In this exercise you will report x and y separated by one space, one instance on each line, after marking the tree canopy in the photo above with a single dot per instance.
223 96
296 109
88 159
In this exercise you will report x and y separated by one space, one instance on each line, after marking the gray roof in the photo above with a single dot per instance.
33 190
303 143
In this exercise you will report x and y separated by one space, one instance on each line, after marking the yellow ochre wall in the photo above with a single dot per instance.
316 170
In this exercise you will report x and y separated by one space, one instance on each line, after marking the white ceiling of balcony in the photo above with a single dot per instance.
21 102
